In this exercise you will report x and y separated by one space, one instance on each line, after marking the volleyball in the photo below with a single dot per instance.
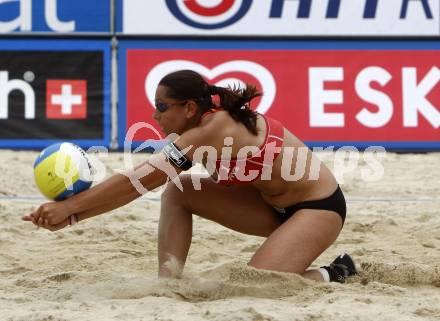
62 170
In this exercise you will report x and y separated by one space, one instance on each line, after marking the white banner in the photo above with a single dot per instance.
282 17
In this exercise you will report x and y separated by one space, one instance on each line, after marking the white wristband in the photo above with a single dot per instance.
73 219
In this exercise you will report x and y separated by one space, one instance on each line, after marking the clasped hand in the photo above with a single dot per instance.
52 216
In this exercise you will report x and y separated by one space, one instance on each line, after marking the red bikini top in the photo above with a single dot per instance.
244 170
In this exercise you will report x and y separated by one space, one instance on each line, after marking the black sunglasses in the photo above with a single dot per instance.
163 107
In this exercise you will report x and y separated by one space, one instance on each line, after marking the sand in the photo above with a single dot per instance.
105 268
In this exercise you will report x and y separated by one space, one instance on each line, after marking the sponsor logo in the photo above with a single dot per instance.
286 17
177 157
260 73
24 20
334 96
66 99
369 10
53 16
51 95
9 85
197 14
414 94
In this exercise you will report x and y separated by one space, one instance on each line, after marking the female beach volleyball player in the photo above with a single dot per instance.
246 153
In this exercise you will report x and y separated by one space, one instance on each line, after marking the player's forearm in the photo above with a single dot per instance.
116 203
136 182
145 177
102 194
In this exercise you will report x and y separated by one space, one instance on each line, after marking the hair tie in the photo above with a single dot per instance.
213 90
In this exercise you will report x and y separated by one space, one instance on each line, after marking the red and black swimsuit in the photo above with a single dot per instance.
232 172
237 171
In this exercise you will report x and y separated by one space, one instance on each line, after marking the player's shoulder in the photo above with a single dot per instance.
211 128
215 116
215 122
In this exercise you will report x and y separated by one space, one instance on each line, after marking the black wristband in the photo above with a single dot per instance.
175 156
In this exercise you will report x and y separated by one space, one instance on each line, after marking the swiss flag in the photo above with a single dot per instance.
66 99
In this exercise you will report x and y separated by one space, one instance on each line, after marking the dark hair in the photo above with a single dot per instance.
187 84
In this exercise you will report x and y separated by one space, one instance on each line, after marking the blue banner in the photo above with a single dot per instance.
54 16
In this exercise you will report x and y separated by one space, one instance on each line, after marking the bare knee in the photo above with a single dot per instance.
174 196
173 209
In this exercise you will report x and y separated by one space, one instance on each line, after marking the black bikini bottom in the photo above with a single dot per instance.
335 203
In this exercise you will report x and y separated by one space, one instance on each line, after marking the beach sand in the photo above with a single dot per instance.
106 268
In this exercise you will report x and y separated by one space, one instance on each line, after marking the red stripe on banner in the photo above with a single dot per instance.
219 9
321 95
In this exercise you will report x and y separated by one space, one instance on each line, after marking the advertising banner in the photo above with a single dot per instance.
54 16
280 17
54 91
341 94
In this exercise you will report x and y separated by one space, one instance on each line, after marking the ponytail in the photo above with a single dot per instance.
236 101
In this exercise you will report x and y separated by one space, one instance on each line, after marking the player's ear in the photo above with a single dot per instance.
192 109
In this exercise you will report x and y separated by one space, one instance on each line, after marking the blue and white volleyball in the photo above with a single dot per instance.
62 170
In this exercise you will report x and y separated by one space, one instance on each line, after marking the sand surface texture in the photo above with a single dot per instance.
105 268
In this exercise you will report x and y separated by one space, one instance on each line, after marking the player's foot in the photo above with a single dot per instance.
341 268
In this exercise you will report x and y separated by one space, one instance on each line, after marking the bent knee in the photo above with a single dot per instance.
175 194
170 193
